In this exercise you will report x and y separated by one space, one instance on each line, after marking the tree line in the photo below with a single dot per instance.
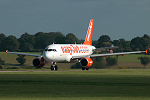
37 42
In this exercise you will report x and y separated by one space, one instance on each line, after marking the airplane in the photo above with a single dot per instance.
68 53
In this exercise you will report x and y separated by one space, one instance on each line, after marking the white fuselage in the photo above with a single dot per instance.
65 52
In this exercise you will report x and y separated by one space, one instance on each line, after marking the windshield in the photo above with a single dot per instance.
51 50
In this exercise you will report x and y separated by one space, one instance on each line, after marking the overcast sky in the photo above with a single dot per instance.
117 18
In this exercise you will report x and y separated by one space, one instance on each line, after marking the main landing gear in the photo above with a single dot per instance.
83 68
54 66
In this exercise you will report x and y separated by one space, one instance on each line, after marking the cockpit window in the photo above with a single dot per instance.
54 50
46 49
51 50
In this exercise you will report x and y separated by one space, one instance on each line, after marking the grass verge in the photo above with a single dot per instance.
76 85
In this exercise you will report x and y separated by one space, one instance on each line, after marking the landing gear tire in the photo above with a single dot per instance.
83 68
87 68
54 67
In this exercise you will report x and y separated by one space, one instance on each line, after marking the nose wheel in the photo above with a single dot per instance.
54 66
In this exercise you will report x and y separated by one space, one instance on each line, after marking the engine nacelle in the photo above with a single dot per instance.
38 62
86 62
148 51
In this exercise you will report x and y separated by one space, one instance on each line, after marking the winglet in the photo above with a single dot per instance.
88 39
6 51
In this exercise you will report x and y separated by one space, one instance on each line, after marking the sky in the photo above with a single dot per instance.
116 18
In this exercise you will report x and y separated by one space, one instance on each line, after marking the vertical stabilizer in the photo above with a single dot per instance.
88 39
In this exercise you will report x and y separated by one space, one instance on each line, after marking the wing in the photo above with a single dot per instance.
111 54
107 54
24 54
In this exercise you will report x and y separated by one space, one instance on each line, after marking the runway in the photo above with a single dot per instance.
71 70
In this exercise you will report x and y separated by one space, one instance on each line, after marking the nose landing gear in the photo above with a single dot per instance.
54 66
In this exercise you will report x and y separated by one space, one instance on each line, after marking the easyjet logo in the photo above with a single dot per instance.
89 31
74 49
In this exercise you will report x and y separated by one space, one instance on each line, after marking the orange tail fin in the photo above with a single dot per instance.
88 39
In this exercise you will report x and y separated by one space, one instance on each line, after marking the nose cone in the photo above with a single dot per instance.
46 56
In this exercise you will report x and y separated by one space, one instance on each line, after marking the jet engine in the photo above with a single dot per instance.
148 51
38 62
86 62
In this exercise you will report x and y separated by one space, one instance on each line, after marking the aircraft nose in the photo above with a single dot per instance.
46 55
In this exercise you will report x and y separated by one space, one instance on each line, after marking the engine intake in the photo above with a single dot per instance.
148 51
86 62
38 62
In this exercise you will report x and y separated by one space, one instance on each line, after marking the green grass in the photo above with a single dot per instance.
131 61
132 58
76 85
